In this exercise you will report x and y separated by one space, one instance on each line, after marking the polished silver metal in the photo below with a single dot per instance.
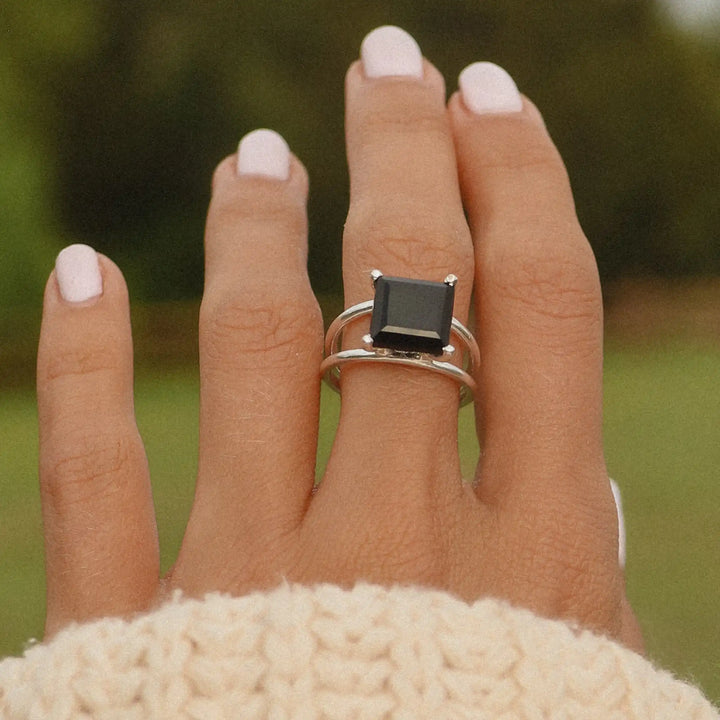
375 275
335 358
451 280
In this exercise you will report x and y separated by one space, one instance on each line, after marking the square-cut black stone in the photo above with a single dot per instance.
412 315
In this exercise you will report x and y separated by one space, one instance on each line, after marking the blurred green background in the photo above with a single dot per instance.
113 114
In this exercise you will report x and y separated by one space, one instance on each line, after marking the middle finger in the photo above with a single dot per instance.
405 219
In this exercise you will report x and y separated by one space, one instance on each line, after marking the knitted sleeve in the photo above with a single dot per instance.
322 652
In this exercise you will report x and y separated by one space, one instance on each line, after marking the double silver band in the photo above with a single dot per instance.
335 359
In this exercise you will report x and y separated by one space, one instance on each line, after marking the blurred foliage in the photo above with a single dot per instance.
114 113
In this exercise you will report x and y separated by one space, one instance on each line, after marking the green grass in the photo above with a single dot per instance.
662 440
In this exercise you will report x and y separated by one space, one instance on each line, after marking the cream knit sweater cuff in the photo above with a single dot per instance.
323 652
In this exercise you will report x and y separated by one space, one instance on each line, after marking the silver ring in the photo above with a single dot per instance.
412 325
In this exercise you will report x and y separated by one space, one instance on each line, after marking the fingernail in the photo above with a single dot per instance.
389 50
487 88
78 274
621 523
264 152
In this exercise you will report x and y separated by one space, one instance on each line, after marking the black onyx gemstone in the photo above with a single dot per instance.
412 315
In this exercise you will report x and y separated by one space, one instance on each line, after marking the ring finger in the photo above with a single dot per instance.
406 220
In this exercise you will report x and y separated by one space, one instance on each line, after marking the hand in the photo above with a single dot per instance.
539 525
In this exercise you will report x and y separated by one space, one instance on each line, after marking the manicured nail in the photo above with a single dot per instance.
264 152
389 50
621 523
487 88
78 274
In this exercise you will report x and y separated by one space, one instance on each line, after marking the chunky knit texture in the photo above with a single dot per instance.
311 653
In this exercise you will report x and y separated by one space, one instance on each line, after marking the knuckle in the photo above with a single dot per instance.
530 151
584 590
554 284
404 552
266 221
410 558
78 359
403 242
382 119
592 591
538 157
251 203
573 564
403 547
268 322
266 217
97 468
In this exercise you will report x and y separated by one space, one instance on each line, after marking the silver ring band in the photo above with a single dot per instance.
335 358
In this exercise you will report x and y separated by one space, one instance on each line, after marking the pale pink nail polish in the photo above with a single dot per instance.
78 274
264 152
390 51
487 88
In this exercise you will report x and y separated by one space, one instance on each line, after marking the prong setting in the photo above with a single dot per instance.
410 324
375 275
